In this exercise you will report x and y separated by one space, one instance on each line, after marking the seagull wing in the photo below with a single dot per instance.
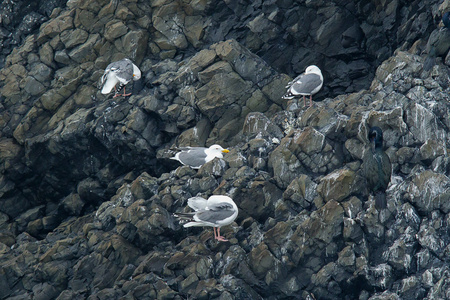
306 84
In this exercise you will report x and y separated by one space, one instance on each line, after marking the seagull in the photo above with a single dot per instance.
122 72
195 157
215 212
377 167
306 84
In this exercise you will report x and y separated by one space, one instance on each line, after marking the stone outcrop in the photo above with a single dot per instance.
88 192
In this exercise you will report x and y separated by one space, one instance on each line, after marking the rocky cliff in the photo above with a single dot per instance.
87 189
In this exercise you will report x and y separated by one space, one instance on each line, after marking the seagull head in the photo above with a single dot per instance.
136 73
313 69
218 148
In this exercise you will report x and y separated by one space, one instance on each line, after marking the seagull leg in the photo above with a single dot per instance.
304 101
125 95
310 100
220 238
115 92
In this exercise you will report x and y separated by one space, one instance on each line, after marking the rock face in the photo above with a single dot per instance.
88 192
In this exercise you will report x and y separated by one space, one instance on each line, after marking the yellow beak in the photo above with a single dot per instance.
225 150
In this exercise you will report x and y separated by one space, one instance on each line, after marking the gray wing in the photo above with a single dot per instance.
191 148
194 157
216 213
122 69
305 83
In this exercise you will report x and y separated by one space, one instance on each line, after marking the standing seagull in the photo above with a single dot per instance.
377 167
215 212
122 72
306 84
195 157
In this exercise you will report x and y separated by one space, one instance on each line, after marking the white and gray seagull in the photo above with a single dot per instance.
217 211
306 84
195 157
122 71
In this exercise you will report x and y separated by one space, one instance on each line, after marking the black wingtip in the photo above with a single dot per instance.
288 96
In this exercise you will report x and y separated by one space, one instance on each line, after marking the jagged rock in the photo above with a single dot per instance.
302 191
72 204
257 124
312 236
338 185
426 198
88 191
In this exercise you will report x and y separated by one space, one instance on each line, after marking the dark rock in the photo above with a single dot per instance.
88 191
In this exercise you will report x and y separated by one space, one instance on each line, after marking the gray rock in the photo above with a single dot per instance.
257 124
62 57
115 29
302 191
429 191
33 86
72 38
85 52
338 185
72 204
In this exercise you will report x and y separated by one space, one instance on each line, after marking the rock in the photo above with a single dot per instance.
72 204
310 237
257 123
301 191
380 276
338 185
115 30
220 93
75 37
88 192
62 57
426 198
285 164
33 87
171 31
135 45
56 26
431 149
85 52
261 260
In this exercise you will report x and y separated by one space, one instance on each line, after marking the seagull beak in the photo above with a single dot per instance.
225 150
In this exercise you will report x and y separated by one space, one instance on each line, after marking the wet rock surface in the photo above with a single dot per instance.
88 192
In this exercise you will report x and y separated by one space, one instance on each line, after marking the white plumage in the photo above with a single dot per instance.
306 84
217 211
195 157
122 72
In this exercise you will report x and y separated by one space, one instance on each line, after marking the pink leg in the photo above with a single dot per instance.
310 100
304 101
117 95
124 93
220 238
